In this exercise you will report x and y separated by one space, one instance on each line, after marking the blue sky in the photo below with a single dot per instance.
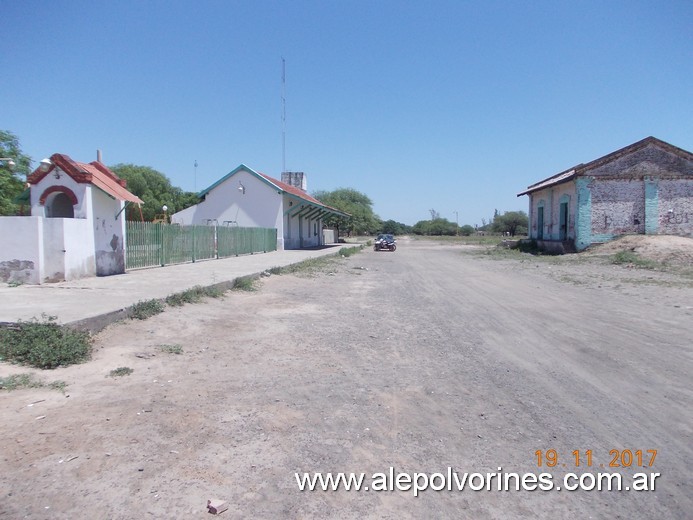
445 105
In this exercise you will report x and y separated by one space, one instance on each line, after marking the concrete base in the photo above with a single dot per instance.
557 247
553 247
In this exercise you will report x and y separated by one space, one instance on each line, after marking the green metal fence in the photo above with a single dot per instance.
149 245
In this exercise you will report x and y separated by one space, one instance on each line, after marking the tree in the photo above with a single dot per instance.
439 226
12 180
154 189
358 205
511 222
394 228
466 230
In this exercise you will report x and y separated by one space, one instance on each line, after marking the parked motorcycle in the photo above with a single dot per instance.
385 243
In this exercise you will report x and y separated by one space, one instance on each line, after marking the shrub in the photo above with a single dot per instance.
44 344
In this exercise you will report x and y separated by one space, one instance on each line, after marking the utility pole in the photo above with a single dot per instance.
195 185
283 115
457 224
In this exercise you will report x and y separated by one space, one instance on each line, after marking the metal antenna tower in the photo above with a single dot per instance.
283 114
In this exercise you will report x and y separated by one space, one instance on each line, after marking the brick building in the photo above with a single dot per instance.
644 188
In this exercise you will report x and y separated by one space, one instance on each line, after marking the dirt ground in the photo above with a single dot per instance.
431 357
669 250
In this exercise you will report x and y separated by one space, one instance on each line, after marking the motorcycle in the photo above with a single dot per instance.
385 243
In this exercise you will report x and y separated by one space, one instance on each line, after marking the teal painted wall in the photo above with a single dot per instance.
583 216
651 206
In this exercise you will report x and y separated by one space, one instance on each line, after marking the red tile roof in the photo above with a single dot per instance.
291 189
94 173
297 192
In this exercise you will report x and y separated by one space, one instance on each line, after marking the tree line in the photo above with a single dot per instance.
156 190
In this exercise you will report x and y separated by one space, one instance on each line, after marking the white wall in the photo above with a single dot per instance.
38 250
79 248
259 206
53 250
21 255
108 233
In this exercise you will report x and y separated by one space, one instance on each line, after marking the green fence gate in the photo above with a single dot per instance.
149 245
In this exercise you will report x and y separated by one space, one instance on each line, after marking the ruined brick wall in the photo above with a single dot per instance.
651 160
632 191
647 191
675 206
618 206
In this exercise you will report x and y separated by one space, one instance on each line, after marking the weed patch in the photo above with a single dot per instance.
245 283
308 267
44 343
120 371
146 309
18 381
632 258
171 349
348 251
194 295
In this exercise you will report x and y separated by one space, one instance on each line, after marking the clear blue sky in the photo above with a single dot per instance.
445 105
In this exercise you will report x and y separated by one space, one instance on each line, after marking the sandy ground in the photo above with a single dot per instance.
431 357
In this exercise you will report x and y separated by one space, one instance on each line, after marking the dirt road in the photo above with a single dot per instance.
421 360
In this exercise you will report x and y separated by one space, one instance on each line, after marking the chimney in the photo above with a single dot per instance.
98 156
295 179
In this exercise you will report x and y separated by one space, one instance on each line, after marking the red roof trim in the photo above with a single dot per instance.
94 173
297 192
62 189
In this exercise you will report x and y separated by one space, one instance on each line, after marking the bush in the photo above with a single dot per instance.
44 344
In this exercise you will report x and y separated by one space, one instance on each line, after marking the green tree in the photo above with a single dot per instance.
393 227
155 189
357 204
466 230
438 226
511 222
12 179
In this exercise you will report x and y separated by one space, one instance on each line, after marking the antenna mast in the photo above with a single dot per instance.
283 115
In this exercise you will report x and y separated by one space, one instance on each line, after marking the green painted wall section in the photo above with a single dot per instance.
651 206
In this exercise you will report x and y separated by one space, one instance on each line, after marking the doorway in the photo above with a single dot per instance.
540 223
563 222
60 206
